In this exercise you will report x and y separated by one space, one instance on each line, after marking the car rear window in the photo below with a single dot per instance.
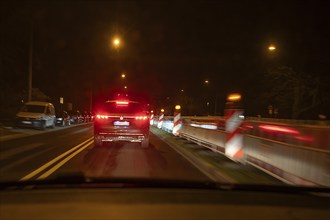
126 108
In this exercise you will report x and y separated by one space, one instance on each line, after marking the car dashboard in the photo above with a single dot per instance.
159 203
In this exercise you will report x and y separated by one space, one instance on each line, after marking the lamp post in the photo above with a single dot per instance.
207 83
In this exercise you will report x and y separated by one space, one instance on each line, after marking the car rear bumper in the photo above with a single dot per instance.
114 134
115 137
109 132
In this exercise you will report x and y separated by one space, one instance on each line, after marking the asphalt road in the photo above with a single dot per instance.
71 150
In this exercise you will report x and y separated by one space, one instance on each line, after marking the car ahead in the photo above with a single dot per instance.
120 121
63 119
36 115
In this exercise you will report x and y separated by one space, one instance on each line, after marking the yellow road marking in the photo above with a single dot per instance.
45 166
57 166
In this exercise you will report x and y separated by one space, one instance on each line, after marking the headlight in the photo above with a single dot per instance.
60 119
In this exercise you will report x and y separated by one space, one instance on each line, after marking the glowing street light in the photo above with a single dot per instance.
162 110
123 75
116 42
206 81
177 107
125 87
271 48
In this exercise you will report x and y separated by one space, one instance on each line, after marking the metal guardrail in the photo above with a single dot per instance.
290 163
291 121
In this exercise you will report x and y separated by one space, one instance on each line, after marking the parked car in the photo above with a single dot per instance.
63 119
76 117
88 117
36 115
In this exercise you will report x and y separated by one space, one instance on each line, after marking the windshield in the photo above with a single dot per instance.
221 91
33 108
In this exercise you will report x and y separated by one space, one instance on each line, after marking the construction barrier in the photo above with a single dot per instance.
160 121
292 163
152 118
177 121
234 140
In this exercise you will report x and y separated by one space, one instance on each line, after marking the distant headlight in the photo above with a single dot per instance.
60 119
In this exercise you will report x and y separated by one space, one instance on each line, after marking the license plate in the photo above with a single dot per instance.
121 123
27 122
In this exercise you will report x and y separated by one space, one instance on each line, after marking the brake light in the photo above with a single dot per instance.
102 116
121 102
141 117
279 129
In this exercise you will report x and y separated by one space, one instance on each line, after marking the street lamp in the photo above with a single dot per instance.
206 82
271 48
208 108
116 42
123 75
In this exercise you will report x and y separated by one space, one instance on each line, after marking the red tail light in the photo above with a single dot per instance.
122 103
102 116
281 129
141 117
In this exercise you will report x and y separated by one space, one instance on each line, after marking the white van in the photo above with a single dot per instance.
37 115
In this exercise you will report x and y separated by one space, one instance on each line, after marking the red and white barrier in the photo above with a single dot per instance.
152 118
177 123
160 121
234 141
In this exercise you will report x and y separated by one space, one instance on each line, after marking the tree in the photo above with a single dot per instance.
291 92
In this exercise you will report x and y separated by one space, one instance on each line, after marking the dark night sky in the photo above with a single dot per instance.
167 45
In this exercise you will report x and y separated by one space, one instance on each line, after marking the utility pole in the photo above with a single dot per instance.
215 104
91 100
30 63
